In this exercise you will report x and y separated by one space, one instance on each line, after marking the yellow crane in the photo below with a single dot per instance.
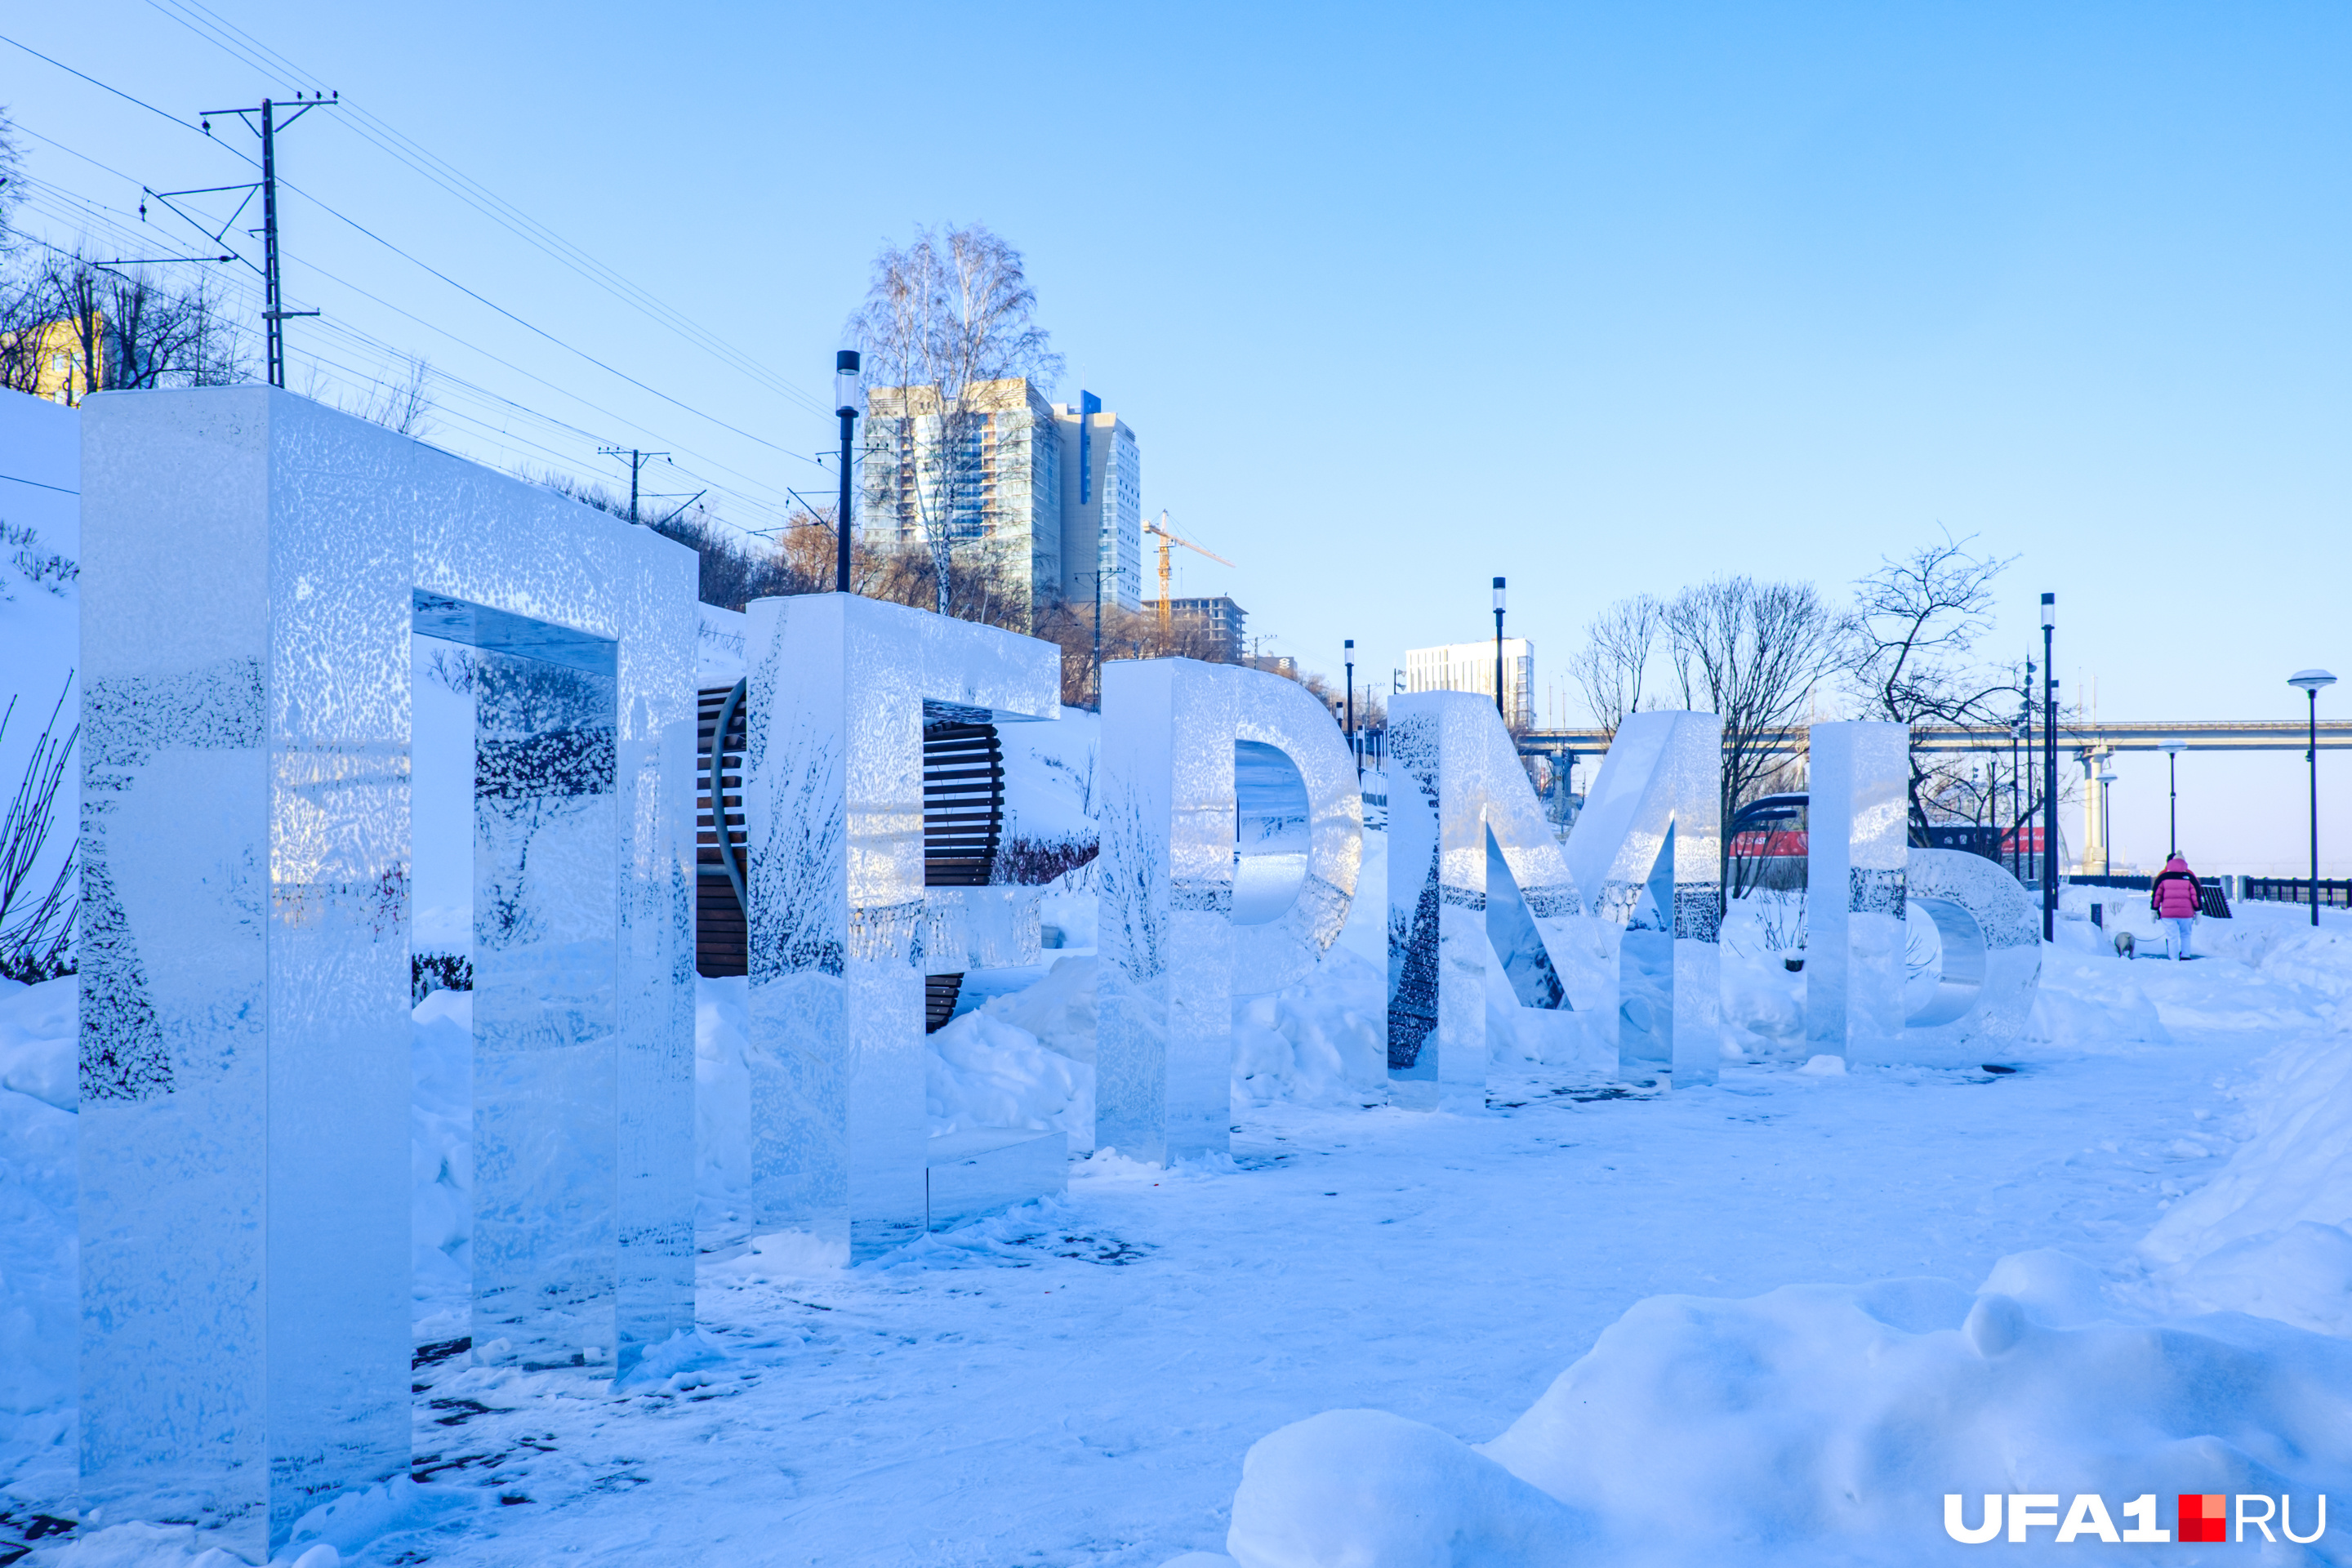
1166 541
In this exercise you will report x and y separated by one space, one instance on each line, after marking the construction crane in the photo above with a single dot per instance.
1166 541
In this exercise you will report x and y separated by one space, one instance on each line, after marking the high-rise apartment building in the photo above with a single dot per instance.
1053 493
1102 506
987 477
1470 667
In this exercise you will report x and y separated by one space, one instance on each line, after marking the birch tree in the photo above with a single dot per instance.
944 316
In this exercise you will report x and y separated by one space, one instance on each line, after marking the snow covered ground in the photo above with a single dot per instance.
1080 1380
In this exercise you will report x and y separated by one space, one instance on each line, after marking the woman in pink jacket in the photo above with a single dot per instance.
2176 901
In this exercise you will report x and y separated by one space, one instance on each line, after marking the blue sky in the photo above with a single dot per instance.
1605 300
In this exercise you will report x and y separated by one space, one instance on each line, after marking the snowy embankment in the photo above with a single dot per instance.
1808 1424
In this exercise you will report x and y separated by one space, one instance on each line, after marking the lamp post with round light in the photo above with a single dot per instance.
844 405
1348 653
2049 774
1498 653
2107 823
2309 682
2172 749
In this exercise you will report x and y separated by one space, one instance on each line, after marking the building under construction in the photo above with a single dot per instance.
1223 619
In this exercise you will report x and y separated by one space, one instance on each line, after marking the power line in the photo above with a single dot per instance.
241 46
93 212
426 266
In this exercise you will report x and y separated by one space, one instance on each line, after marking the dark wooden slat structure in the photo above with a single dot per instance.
963 828
721 944
964 825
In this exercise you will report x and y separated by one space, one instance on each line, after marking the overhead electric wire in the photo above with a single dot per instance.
98 215
243 47
426 266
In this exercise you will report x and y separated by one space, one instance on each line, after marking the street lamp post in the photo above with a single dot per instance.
844 405
1498 653
1348 653
2310 681
2049 774
2172 749
2106 822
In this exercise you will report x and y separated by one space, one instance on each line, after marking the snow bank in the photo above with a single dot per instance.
1822 1423
2272 1234
1819 1422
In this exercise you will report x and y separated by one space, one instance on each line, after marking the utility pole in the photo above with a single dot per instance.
637 460
1098 577
274 312
2049 773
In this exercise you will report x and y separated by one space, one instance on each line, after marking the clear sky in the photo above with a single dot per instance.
1603 298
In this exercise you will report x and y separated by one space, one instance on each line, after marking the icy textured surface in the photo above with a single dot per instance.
1163 1062
1655 806
834 824
1991 958
1277 942
253 567
1857 837
1619 924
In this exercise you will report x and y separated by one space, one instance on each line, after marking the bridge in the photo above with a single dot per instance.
2081 739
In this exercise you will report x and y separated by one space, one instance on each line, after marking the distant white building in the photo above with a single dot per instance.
1470 667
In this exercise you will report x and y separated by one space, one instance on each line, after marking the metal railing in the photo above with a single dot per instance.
2332 895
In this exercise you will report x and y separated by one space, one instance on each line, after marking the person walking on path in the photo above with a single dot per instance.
2177 902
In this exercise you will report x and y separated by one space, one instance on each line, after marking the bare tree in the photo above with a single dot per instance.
36 920
124 327
1751 653
1615 662
400 404
12 181
1916 621
944 318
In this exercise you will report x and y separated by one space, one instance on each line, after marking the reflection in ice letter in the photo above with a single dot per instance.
1183 743
1857 837
254 568
840 688
1621 923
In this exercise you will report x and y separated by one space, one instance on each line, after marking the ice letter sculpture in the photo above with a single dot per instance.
254 566
1991 936
1857 838
1196 756
1623 923
840 690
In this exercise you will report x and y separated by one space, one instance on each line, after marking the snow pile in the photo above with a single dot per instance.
2272 1234
1819 1422
2090 1000
983 1072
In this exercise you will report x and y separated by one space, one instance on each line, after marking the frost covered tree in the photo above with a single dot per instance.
946 319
